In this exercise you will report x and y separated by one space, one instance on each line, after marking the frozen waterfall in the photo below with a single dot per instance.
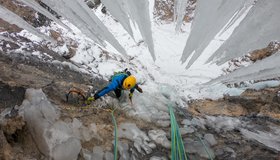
260 26
139 12
78 13
264 69
179 12
118 11
209 19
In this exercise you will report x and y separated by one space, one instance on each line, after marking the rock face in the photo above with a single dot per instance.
30 72
264 102
164 10
26 13
260 54
10 96
210 107
5 148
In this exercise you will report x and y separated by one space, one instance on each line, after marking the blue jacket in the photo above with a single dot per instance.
115 83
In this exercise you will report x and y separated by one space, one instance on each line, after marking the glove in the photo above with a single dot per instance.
89 100
130 96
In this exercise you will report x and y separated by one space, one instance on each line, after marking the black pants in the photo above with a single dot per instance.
118 93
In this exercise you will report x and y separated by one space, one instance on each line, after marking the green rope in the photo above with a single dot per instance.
205 148
116 136
177 147
210 157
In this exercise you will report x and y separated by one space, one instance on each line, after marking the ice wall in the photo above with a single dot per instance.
118 11
79 14
209 19
264 69
260 26
139 12
179 12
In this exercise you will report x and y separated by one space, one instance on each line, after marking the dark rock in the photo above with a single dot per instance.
104 10
90 4
5 148
55 79
10 96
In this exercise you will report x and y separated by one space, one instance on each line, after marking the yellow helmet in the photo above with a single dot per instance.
129 82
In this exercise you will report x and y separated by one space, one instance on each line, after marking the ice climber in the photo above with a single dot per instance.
118 82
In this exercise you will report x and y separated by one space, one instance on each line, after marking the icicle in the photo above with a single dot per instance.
238 15
263 69
78 13
179 12
139 11
117 10
38 8
101 28
12 18
260 26
62 9
209 19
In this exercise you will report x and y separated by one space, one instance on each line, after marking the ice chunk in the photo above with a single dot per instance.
223 123
108 156
159 136
139 11
52 137
71 146
118 11
157 158
194 146
12 18
270 139
132 132
209 19
260 26
98 153
124 151
210 139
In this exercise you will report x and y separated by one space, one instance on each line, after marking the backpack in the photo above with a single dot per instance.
126 72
